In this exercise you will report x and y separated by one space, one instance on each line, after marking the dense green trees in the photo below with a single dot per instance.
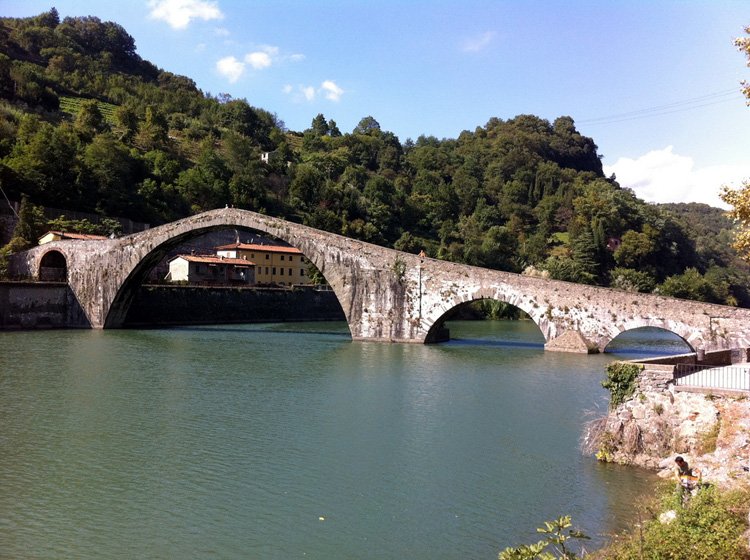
740 198
86 124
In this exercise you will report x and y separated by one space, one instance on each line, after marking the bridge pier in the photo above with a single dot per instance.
571 341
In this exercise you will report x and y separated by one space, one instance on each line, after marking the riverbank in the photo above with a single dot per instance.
657 412
654 420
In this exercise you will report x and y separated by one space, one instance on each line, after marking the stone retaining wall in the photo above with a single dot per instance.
40 305
192 305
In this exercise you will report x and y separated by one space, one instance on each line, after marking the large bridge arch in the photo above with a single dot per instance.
161 242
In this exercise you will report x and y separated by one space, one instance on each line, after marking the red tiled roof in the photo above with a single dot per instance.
211 259
69 235
257 247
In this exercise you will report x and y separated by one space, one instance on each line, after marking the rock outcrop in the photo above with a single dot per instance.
658 423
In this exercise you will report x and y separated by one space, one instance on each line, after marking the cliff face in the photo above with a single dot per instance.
657 423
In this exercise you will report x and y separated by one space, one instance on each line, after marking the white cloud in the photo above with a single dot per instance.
308 92
258 60
297 57
178 13
331 91
479 42
231 68
262 58
222 32
327 89
663 176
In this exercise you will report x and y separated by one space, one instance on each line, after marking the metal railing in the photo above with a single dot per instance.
733 378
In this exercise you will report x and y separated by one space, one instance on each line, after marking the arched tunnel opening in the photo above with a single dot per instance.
647 342
486 321
225 276
53 267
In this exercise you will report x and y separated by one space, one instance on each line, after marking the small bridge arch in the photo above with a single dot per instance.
53 266
438 333
683 332
647 339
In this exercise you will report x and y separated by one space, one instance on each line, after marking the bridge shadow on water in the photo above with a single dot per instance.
259 330
495 343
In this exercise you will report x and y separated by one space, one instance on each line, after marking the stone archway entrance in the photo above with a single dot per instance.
53 267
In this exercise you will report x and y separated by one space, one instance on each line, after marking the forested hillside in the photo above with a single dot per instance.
86 124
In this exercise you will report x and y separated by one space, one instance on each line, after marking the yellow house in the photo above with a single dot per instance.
275 264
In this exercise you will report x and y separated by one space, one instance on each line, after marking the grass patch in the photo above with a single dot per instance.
707 440
72 106
709 527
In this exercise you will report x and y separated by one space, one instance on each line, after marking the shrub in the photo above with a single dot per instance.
621 381
709 527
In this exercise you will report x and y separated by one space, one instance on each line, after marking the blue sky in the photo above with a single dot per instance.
654 83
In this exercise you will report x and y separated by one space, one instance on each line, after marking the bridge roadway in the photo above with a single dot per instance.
388 295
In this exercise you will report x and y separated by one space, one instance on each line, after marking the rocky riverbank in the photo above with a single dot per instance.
657 423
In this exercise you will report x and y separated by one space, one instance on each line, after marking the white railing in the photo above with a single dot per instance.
732 378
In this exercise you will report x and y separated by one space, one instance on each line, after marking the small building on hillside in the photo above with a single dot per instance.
275 264
63 235
211 269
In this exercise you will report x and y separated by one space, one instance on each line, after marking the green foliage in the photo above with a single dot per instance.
621 381
691 284
315 276
709 527
494 309
632 280
28 229
399 269
707 440
73 105
105 226
607 447
558 537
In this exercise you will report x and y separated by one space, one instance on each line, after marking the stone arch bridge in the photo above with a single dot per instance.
388 295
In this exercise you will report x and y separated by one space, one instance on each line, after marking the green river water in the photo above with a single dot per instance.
292 441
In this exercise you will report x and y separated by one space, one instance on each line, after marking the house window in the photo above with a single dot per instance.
282 257
282 271
268 256
290 272
301 271
266 270
273 270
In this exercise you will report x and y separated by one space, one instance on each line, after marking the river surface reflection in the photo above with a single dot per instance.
282 441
